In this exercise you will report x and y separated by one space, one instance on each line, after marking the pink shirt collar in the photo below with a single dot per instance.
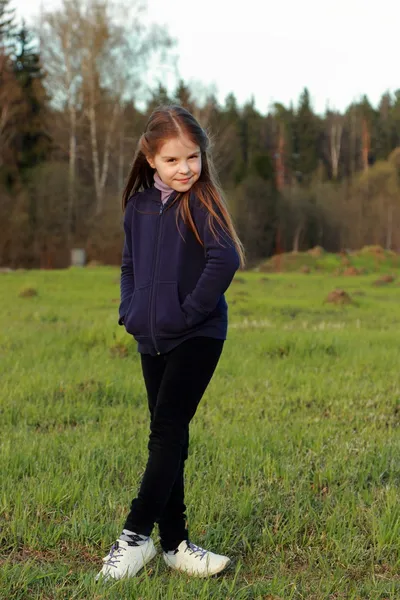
165 189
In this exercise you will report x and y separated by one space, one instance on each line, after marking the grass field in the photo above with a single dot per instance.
294 466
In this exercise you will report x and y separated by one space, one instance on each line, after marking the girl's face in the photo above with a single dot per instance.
178 163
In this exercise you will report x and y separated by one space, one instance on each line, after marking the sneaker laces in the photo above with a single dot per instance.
114 555
117 550
193 549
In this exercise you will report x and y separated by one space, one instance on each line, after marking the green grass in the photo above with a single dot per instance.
294 466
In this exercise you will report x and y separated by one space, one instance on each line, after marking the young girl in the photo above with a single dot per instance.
180 254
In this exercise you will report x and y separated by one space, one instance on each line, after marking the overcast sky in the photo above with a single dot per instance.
339 49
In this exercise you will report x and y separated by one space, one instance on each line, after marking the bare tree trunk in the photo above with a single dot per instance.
100 174
280 160
91 113
353 133
107 146
389 231
365 144
121 159
296 238
336 141
59 47
71 171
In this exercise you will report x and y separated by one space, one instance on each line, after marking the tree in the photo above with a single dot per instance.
224 133
10 92
7 25
306 138
94 61
182 96
255 210
60 39
395 119
375 194
333 141
282 125
11 109
158 97
33 142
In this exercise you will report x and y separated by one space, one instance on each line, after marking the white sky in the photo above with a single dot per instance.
339 49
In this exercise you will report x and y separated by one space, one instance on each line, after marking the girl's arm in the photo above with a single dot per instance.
222 261
127 276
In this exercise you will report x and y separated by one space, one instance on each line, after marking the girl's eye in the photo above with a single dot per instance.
170 160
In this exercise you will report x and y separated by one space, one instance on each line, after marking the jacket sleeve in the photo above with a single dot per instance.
222 261
127 283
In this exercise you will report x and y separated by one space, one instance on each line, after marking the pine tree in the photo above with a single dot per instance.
306 138
158 98
33 142
395 119
10 95
384 134
183 97
7 27
283 143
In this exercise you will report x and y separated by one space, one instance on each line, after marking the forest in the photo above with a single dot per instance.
71 113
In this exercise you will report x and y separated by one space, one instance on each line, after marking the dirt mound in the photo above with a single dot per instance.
286 261
377 251
353 271
316 252
384 280
373 249
305 269
338 297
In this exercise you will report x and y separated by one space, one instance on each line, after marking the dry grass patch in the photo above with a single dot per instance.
28 292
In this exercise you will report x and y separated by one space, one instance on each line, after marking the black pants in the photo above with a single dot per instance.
175 383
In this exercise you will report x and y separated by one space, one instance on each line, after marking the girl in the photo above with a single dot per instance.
180 254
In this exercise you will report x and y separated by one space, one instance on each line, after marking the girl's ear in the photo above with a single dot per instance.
150 161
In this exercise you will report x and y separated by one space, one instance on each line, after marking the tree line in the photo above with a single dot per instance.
70 121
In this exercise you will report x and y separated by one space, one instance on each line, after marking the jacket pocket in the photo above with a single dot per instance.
170 318
136 320
123 309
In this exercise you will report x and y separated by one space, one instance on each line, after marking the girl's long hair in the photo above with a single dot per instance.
168 122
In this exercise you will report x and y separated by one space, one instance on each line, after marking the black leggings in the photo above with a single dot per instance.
175 383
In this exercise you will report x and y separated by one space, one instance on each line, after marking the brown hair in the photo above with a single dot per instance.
168 122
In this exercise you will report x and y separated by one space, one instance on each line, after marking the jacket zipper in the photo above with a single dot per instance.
152 312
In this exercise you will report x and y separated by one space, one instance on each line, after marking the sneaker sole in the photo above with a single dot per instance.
199 575
129 575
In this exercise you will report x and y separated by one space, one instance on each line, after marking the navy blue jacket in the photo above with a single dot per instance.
172 288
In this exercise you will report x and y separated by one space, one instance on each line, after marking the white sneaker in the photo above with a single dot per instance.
194 560
125 559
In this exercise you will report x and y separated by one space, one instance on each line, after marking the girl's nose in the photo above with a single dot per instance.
184 168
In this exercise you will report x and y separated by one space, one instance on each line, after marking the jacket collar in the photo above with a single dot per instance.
155 195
